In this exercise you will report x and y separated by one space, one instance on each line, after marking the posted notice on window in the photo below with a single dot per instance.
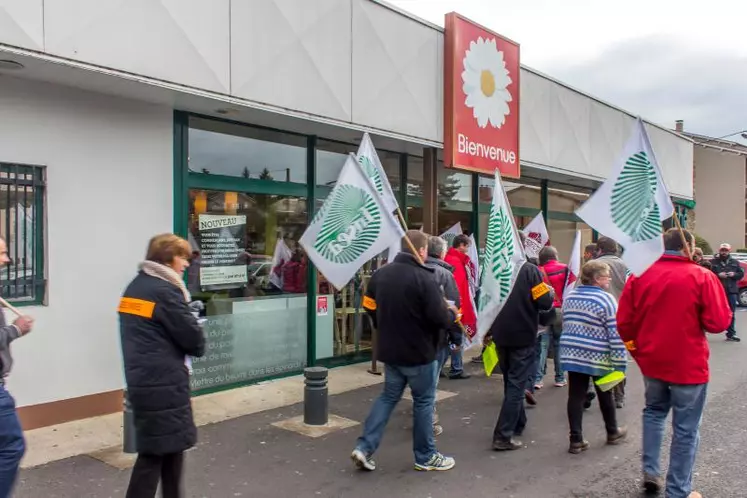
222 242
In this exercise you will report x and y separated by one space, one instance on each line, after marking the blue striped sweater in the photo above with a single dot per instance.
590 343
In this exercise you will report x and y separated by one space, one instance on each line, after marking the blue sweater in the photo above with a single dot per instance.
590 343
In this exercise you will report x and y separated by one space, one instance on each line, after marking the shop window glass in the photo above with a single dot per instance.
523 195
346 328
415 188
454 199
331 157
219 148
562 202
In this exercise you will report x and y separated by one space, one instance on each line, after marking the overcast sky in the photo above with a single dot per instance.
662 59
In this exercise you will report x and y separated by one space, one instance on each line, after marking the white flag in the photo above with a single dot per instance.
630 206
504 257
537 236
369 161
574 265
281 255
350 228
394 249
450 234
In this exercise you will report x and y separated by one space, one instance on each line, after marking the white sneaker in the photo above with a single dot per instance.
437 462
362 461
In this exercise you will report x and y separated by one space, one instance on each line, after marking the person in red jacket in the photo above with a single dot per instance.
458 257
557 275
662 318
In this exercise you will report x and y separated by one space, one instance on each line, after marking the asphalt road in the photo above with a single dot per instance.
247 457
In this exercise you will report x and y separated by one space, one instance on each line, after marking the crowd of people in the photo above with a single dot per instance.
423 307
593 326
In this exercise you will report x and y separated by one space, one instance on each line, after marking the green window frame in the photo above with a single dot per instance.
22 214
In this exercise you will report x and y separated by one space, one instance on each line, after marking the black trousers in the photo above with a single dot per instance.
149 469
516 365
578 385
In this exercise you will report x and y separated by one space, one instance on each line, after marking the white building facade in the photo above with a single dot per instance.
139 117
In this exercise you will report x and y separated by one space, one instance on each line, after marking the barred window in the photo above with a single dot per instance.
22 196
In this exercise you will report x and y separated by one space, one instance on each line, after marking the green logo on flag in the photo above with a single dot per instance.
499 249
634 208
351 223
372 172
449 238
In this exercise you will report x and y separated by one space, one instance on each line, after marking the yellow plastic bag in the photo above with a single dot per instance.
490 358
609 381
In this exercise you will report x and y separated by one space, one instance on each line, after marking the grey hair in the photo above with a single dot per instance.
436 246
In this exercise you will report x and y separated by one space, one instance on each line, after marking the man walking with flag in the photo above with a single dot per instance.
662 317
514 332
629 208
409 311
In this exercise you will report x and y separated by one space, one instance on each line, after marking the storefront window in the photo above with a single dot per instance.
415 186
562 223
454 199
331 157
247 266
523 195
342 325
218 148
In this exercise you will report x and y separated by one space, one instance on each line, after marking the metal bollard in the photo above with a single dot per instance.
129 444
315 403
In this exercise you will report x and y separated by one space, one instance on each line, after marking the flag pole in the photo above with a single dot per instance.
12 308
682 235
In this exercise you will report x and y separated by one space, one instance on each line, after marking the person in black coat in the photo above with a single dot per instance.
159 332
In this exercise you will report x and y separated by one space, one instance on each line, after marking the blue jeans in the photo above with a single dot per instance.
12 445
457 362
687 403
543 348
422 382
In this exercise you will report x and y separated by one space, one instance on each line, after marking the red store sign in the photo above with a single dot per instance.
481 93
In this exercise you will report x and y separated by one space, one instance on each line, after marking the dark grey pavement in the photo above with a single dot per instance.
247 457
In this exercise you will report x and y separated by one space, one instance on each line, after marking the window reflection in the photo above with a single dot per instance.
219 148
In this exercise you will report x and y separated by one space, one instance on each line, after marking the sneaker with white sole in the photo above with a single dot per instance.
362 461
437 462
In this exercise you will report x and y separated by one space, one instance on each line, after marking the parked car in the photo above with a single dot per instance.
742 283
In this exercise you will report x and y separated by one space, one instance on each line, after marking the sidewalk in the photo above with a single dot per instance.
102 436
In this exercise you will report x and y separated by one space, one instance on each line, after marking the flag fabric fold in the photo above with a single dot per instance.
537 236
504 257
574 265
352 226
631 205
450 234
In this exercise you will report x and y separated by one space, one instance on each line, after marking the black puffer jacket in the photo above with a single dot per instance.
157 331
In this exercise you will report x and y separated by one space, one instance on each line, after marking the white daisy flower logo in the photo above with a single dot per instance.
486 81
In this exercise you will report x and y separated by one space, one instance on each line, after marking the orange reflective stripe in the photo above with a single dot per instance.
369 303
137 307
540 290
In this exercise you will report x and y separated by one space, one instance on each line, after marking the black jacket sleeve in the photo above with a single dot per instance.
173 312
